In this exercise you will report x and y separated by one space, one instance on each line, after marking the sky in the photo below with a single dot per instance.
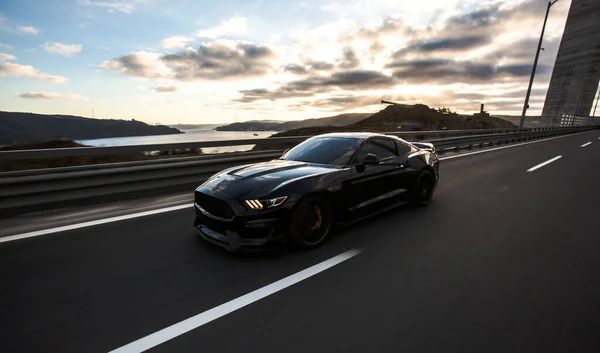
203 62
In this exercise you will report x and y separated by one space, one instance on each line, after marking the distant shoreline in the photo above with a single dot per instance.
29 128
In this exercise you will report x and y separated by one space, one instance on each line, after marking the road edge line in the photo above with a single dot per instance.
38 233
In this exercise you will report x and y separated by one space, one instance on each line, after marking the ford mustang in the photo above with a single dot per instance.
327 179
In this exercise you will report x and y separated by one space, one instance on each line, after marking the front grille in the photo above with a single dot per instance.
214 206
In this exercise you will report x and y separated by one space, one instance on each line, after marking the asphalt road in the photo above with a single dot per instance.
503 260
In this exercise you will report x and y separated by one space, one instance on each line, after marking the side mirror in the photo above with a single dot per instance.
370 159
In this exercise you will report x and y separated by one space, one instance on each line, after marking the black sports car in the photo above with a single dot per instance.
341 177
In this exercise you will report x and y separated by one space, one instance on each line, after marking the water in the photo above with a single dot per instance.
189 136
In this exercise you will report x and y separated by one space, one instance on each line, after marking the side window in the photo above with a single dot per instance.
404 149
382 148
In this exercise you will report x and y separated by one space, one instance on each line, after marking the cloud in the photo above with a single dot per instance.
123 7
345 63
27 29
7 57
311 67
165 89
387 26
16 70
447 44
215 60
235 26
295 69
231 27
220 59
359 80
52 95
175 42
139 64
350 59
2 45
481 17
447 71
62 49
320 66
340 103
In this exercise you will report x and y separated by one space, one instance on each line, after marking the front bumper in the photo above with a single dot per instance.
262 231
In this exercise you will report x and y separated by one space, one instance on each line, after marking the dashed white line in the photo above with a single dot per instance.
203 318
509 146
543 164
92 223
586 144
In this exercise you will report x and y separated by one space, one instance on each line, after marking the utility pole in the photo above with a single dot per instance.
535 62
596 106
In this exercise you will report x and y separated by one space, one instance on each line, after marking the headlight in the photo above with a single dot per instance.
262 204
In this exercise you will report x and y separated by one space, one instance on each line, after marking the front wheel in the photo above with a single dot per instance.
311 222
423 190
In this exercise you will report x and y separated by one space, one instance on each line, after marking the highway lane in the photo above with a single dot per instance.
503 260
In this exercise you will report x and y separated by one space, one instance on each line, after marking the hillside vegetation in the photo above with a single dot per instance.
25 128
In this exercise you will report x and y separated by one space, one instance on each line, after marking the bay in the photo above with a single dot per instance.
188 136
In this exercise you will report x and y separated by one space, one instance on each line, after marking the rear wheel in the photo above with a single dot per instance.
423 191
311 222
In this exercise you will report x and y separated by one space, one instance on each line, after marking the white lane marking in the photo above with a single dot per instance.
92 223
205 317
510 146
543 164
586 144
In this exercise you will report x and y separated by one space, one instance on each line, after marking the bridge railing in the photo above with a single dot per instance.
23 190
16 155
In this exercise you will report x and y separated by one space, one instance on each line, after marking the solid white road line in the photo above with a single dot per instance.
203 318
510 146
543 164
586 144
93 223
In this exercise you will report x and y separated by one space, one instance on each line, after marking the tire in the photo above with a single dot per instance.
311 222
423 190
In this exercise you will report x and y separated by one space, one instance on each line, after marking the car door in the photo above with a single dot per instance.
367 185
406 171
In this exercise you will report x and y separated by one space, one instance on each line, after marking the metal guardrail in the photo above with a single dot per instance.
24 188
97 151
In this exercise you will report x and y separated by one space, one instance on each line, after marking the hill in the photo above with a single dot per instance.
406 118
252 125
265 125
337 120
25 128
195 126
530 121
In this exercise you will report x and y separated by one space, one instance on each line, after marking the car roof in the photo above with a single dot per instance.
356 135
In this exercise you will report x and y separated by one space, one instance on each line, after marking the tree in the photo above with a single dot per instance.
445 111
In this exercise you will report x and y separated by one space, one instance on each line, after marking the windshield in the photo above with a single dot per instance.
324 150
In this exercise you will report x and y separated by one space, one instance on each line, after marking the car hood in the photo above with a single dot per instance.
260 179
